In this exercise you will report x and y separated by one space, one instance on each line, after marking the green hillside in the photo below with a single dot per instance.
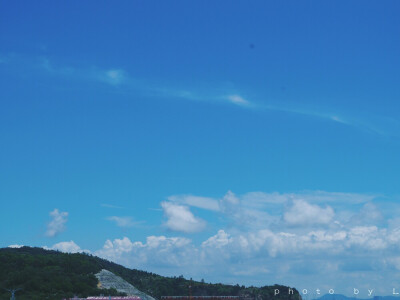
45 274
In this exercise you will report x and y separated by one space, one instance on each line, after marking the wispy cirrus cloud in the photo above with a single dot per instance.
114 76
120 78
196 201
123 221
238 100
373 124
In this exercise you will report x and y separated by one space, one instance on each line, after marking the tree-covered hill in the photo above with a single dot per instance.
47 274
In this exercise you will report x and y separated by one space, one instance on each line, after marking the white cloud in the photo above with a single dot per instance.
250 271
122 221
302 213
67 247
259 199
273 235
15 246
180 218
323 236
394 261
229 203
256 244
157 250
243 254
121 245
196 201
308 196
217 241
260 210
57 224
369 214
324 197
111 76
237 99
114 76
368 238
371 123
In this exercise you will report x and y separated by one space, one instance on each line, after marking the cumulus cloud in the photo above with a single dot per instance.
57 224
67 247
229 206
244 253
273 235
157 250
368 238
15 246
307 244
241 255
217 241
259 209
180 218
122 221
368 214
229 203
303 213
261 242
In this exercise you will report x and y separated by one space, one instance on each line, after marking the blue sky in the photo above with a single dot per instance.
242 142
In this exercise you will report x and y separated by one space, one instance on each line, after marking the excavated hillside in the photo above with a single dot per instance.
108 280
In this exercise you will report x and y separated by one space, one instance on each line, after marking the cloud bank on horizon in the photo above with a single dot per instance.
310 240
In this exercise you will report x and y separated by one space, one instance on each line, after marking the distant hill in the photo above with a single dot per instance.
343 297
48 274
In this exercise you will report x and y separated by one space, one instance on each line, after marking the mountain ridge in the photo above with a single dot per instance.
344 297
50 274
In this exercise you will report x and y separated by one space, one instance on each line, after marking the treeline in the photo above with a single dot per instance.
47 274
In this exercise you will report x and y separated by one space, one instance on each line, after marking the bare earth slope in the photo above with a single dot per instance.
108 280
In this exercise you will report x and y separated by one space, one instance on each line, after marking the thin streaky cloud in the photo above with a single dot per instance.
238 100
114 76
355 122
110 206
196 201
123 221
117 77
